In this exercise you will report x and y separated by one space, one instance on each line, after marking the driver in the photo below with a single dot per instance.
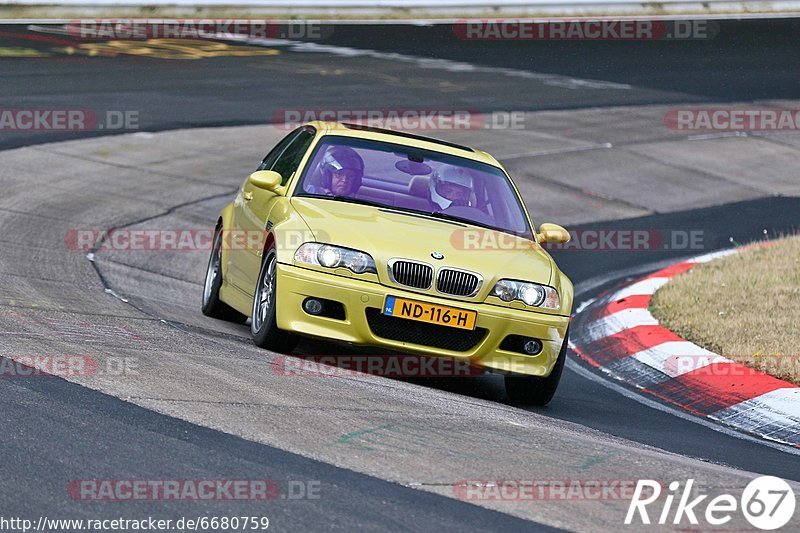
341 169
451 187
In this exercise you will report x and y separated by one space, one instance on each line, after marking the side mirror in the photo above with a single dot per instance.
552 233
268 180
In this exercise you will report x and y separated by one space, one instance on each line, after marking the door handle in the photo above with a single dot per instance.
247 196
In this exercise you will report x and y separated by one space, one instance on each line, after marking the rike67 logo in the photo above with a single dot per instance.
767 503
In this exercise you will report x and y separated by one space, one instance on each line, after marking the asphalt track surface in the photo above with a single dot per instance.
55 431
745 60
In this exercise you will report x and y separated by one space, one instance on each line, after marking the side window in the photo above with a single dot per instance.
287 163
269 160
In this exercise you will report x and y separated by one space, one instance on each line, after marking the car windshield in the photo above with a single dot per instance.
411 179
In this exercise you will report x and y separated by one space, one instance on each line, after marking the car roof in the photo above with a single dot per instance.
404 138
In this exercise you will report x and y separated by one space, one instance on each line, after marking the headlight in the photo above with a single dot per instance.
329 257
325 255
532 294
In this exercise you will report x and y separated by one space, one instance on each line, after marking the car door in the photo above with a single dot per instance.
253 205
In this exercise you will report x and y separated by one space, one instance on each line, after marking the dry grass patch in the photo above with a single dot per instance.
745 307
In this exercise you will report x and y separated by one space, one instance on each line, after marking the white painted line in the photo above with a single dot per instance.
115 295
555 80
592 284
714 255
584 305
720 135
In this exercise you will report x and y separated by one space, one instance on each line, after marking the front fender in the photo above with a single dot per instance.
287 231
566 291
225 222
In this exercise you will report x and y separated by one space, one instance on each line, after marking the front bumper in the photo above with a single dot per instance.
295 284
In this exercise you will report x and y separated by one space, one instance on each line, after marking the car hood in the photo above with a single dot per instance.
387 234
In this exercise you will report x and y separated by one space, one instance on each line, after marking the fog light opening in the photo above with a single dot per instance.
312 306
532 347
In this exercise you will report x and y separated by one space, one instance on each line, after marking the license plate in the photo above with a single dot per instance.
431 313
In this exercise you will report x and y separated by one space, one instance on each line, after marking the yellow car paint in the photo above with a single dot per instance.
386 234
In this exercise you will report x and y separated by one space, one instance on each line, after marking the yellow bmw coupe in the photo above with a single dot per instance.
382 238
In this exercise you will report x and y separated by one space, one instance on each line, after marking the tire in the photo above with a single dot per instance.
212 305
263 323
533 390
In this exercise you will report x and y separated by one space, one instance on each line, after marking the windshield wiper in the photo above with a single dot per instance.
418 214
340 198
413 212
463 220
454 218
445 217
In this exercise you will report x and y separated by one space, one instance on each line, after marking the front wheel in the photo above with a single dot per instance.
212 305
264 324
533 390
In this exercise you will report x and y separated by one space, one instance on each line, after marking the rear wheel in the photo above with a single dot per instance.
212 305
264 324
533 390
